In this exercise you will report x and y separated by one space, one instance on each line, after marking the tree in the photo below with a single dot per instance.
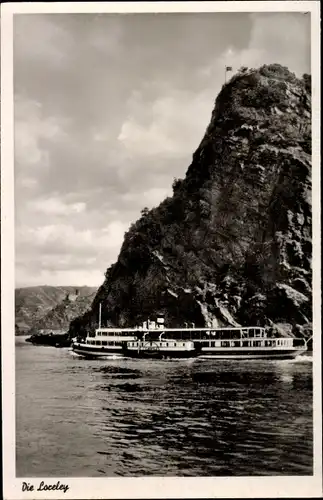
144 212
177 184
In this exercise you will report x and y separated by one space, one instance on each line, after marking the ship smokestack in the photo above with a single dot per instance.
160 321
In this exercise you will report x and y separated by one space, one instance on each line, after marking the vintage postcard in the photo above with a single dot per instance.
160 228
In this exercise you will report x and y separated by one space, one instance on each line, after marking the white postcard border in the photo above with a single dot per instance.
146 487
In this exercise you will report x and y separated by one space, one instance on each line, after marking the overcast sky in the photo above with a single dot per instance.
108 110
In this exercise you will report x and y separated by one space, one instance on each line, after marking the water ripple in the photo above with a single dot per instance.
141 418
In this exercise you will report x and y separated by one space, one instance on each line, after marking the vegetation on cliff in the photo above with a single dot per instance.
233 244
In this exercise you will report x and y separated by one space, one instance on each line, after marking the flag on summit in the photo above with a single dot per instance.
228 68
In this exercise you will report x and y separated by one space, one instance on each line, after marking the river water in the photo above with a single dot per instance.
92 418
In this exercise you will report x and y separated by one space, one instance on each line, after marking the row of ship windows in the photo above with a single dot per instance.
103 342
133 344
163 344
216 343
112 334
251 343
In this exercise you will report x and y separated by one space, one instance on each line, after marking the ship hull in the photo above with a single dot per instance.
160 354
91 352
223 353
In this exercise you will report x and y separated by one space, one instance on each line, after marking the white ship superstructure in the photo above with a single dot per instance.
153 339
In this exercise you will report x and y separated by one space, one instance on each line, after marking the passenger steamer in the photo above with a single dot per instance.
154 340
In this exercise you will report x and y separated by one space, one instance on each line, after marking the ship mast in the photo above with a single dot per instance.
100 313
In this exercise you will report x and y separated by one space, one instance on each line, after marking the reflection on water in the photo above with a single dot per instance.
92 418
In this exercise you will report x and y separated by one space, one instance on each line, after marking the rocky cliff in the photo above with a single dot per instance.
233 244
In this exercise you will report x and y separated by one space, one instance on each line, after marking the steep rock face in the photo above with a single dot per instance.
233 244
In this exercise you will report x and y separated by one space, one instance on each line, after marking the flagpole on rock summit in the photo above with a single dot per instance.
226 69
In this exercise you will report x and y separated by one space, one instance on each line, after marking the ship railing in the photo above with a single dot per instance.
301 342
199 334
186 334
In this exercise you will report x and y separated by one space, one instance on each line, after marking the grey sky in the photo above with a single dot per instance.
108 110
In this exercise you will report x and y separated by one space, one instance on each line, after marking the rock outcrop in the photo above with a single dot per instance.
233 244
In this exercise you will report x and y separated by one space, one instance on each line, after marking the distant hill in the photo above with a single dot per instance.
60 316
34 303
